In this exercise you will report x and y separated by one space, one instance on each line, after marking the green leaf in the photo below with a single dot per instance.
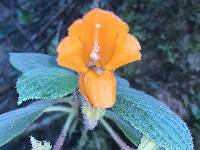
45 83
28 61
129 131
15 122
153 119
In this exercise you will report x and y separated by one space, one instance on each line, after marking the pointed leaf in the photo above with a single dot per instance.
153 119
28 61
14 122
45 83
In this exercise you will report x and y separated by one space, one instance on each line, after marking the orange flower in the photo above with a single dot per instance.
95 46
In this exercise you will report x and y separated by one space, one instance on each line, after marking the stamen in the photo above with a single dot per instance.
94 55
91 64
97 25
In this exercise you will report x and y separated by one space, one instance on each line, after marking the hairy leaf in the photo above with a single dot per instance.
129 131
28 61
14 122
153 119
45 83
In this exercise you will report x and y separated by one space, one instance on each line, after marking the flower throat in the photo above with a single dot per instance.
94 55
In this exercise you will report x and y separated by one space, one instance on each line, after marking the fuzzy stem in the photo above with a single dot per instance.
147 144
83 139
76 100
115 136
60 141
69 100
59 108
97 142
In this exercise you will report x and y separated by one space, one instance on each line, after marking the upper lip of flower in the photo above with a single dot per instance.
99 42
109 32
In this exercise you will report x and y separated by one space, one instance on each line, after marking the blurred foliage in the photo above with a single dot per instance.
167 27
196 113
169 32
24 17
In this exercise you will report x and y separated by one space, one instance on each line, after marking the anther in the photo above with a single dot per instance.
97 25
94 56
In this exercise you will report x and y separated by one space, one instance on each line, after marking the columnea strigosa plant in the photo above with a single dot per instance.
96 45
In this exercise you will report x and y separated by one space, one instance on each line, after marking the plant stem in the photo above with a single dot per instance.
43 123
97 143
69 100
76 100
60 141
59 108
147 144
115 136
83 139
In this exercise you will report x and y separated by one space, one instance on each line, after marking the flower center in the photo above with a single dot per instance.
94 55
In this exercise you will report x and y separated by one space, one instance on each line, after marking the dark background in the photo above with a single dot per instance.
169 70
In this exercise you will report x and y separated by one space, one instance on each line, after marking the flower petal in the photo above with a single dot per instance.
69 55
100 89
84 34
127 50
81 84
110 27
